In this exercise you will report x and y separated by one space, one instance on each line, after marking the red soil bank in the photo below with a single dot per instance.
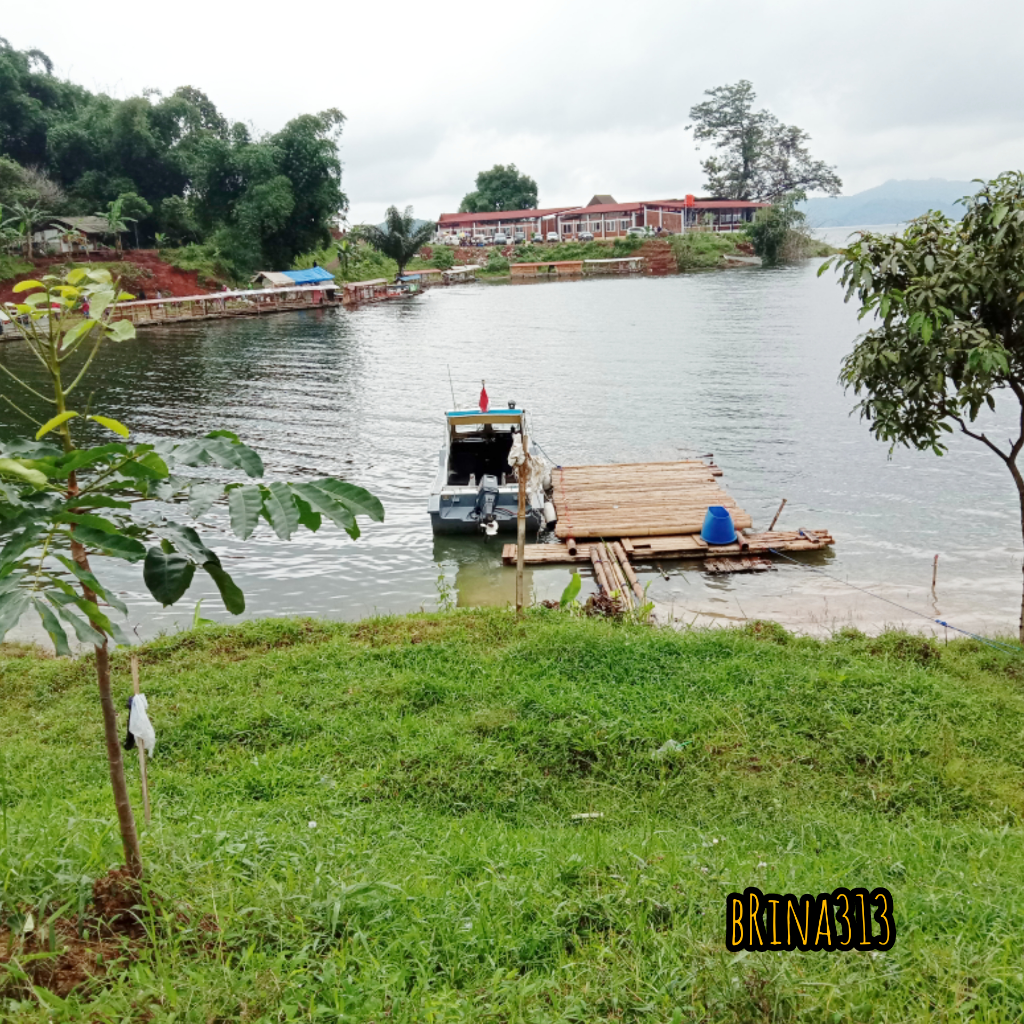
143 269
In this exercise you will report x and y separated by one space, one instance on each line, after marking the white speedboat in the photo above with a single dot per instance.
476 490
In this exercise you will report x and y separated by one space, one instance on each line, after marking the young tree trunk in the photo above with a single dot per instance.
125 817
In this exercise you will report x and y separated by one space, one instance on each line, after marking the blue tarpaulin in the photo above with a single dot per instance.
311 276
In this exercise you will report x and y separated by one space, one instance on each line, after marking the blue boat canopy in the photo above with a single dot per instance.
311 276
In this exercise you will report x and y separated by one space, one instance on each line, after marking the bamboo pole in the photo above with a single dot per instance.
599 573
623 558
142 749
620 583
521 530
777 514
935 570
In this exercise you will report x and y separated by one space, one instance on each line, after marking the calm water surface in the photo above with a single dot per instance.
740 363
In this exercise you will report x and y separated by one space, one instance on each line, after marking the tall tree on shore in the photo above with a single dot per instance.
947 307
501 188
400 238
761 158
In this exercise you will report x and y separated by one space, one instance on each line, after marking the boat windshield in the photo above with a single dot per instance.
479 445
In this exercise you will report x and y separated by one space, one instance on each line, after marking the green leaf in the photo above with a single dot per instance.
20 543
234 599
114 544
570 592
998 214
85 519
234 456
53 628
189 542
245 505
280 509
926 331
83 630
76 332
18 469
86 577
357 500
56 421
229 434
120 330
24 286
326 504
311 520
12 606
167 576
114 425
87 456
201 497
96 501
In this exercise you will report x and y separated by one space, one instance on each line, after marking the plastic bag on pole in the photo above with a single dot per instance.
139 724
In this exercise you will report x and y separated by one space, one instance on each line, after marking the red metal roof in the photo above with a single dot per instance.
707 204
509 215
583 211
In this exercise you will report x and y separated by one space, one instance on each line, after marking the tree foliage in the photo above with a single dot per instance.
761 158
66 509
399 239
776 232
946 301
265 199
501 188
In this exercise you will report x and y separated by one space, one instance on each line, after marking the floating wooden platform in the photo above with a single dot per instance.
646 499
683 546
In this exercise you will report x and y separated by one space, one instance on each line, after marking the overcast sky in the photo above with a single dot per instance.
586 97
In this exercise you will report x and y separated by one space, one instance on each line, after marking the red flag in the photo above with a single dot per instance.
483 397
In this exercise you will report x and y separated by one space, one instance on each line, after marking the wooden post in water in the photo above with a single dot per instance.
777 514
142 749
521 529
935 571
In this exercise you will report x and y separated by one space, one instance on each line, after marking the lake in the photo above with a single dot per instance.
740 363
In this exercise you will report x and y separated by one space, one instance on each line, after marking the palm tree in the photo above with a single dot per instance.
29 217
115 219
402 239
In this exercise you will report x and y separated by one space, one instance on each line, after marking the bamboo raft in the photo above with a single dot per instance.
613 517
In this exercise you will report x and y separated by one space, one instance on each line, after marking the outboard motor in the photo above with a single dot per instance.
486 502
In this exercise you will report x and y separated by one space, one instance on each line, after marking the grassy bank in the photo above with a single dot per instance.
360 822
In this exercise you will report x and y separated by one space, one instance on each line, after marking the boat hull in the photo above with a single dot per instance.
456 520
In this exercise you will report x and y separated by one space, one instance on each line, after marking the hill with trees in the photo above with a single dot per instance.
188 177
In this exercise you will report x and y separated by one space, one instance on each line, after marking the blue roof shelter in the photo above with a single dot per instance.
312 276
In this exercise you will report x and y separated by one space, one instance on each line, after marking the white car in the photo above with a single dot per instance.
586 236
637 232
553 236
500 238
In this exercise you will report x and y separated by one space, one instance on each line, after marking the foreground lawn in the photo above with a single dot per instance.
377 822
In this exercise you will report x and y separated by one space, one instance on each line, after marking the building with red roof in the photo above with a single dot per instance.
606 220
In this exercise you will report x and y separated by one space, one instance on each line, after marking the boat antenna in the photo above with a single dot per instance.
451 385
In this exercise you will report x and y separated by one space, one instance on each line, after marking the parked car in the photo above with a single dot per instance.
586 236
552 236
538 237
479 240
637 232
500 238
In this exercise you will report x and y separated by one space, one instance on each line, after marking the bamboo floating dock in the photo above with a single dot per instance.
614 517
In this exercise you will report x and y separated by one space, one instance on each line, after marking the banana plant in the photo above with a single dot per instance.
68 509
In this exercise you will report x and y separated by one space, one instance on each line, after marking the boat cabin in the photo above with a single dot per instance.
479 444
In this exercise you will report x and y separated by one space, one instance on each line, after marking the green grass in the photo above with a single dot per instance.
702 250
442 758
12 266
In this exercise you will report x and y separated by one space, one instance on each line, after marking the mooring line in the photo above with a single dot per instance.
913 611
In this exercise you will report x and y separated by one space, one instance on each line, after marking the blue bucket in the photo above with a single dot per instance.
718 528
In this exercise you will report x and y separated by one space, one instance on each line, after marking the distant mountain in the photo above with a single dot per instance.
891 203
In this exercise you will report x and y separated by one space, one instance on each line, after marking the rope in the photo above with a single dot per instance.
912 611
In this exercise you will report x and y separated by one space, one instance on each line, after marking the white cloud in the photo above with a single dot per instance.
585 97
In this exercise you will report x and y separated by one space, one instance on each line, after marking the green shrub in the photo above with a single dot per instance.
444 257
